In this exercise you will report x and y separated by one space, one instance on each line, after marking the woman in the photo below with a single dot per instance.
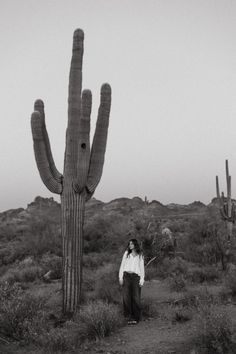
131 277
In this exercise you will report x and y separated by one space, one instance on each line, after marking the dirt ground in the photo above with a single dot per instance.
157 335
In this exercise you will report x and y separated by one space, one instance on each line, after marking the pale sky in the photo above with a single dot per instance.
172 68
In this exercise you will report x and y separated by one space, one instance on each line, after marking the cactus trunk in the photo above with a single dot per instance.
72 208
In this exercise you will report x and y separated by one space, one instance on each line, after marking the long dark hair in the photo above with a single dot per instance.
136 247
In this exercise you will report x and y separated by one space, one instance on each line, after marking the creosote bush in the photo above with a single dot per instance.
18 311
177 282
107 286
23 275
214 331
98 319
182 314
94 260
151 272
53 263
201 274
60 339
171 267
45 238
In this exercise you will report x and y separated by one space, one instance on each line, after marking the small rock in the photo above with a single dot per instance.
48 276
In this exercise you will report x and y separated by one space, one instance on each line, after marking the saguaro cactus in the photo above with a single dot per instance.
82 168
227 208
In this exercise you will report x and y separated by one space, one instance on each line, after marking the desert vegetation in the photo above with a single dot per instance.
186 284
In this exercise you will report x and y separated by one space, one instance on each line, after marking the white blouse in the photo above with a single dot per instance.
134 264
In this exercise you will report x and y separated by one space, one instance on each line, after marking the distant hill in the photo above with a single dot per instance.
36 230
125 207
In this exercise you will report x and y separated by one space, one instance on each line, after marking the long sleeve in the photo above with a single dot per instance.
142 271
121 271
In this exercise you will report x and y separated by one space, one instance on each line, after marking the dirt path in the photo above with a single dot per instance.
152 336
159 335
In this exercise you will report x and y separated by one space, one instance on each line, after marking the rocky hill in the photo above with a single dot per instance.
131 208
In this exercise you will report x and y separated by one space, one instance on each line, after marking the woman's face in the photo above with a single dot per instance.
131 245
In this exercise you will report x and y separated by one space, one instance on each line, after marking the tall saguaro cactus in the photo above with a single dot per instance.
82 168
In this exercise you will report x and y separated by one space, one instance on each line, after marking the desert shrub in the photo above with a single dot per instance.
105 234
89 278
3 270
107 286
156 244
42 235
151 273
172 267
96 259
147 230
225 295
42 242
198 298
17 311
7 232
205 242
214 330
177 282
200 274
178 226
179 266
59 339
174 313
11 253
163 269
95 233
98 319
182 314
230 282
53 263
20 275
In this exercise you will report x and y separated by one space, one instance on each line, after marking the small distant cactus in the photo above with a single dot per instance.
82 168
227 207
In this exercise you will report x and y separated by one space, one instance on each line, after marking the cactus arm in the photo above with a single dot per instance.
228 182
74 105
41 154
227 177
99 140
217 188
84 144
39 106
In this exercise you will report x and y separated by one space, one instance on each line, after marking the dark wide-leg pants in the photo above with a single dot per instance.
131 296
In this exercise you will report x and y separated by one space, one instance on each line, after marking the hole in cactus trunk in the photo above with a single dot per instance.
83 146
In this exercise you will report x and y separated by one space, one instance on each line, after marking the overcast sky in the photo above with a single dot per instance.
172 68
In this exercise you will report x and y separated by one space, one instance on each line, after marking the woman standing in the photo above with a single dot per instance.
131 277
